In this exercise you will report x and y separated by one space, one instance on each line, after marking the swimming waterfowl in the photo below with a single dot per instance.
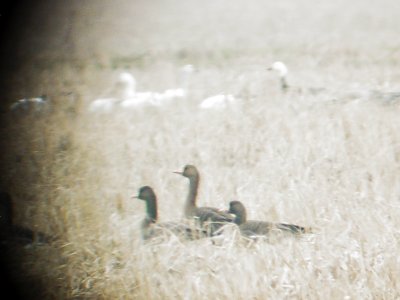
151 228
250 228
214 215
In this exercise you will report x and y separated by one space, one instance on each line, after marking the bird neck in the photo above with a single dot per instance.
240 218
151 210
284 84
129 90
185 80
190 205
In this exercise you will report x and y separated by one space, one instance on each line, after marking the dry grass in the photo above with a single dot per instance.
291 158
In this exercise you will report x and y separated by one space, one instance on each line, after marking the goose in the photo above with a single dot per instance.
124 88
36 104
132 99
217 217
180 92
151 228
282 71
220 101
142 99
159 99
12 233
250 228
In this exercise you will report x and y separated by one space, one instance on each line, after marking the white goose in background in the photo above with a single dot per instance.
282 71
36 104
182 91
158 99
220 101
224 101
124 88
142 99
354 95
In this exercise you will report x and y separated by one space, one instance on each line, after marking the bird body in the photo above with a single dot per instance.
252 228
103 105
175 93
142 99
282 71
124 88
215 216
182 91
151 228
36 104
125 96
220 101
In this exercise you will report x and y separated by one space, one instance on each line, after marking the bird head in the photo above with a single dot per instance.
280 67
189 171
145 192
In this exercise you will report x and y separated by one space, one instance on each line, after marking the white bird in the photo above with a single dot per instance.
142 99
282 70
182 91
128 98
360 94
36 104
124 88
220 101
128 83
102 105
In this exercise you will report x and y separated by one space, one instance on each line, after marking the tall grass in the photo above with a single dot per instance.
307 160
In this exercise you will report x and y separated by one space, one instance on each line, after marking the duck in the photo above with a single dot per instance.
215 216
150 228
252 229
11 233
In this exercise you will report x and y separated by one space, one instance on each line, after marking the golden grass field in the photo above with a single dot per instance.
310 160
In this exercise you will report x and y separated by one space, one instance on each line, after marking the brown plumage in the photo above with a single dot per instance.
216 217
151 228
252 228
